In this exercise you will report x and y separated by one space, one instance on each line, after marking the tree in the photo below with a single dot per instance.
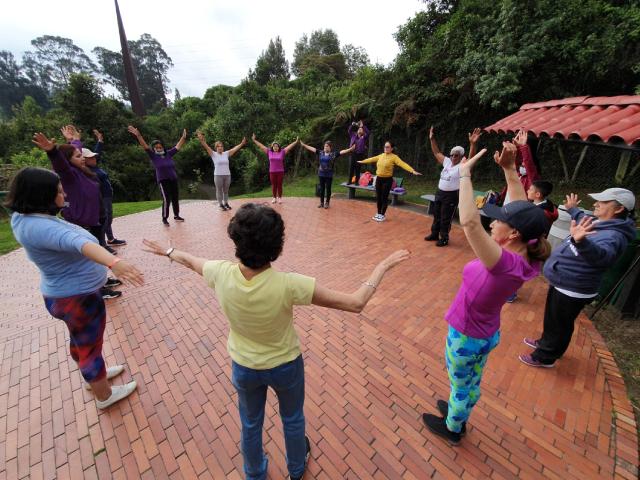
355 58
271 64
14 86
151 64
53 61
320 43
81 99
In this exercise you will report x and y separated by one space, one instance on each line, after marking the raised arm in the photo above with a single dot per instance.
203 142
261 146
487 250
527 158
291 145
72 136
183 139
311 149
434 146
59 163
97 148
515 189
473 141
356 301
183 258
346 150
235 149
136 133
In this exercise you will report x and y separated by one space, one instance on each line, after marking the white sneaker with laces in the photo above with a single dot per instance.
112 372
376 217
118 392
381 218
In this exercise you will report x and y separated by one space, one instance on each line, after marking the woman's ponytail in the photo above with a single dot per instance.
539 249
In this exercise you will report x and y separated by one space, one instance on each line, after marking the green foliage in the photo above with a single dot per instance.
33 158
271 64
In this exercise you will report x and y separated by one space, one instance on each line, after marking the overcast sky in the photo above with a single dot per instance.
210 42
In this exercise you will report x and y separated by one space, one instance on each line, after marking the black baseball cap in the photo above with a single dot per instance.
522 215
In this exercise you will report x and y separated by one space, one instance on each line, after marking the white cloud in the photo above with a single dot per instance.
209 42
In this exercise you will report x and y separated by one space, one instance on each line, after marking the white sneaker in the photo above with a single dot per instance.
112 372
381 218
274 200
118 392
376 217
279 199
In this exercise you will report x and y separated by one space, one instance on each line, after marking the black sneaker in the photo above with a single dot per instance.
306 458
320 206
227 206
443 408
116 243
112 282
222 207
432 238
438 426
110 250
166 222
109 293
178 219
443 242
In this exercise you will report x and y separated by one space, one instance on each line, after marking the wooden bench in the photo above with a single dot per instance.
431 199
395 197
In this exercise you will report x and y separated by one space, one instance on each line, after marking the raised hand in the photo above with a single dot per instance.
475 135
253 137
466 164
184 133
395 258
507 158
133 130
70 132
244 141
98 135
154 247
41 141
580 230
128 273
571 201
431 134
521 138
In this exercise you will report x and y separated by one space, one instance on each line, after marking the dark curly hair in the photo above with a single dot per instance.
258 233
33 190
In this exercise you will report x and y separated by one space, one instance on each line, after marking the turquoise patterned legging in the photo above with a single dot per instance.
466 358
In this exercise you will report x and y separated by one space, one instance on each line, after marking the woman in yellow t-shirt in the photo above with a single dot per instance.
263 345
384 176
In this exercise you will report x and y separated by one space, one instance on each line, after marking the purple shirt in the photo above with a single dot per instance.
83 193
361 142
165 168
276 160
475 310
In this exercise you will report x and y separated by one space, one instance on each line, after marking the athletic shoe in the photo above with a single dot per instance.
222 207
112 372
112 282
118 392
326 205
382 218
279 199
110 250
443 408
227 206
443 242
274 200
306 458
166 222
116 243
432 237
320 206
376 217
531 342
512 298
109 293
178 219
529 360
438 426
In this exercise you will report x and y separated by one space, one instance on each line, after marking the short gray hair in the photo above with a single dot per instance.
457 149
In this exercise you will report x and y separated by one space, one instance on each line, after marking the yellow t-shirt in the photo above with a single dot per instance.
385 163
260 312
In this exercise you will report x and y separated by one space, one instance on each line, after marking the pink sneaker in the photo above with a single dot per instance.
531 342
529 360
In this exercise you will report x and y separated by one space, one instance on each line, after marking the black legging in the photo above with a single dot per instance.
325 186
383 187
444 208
354 166
169 191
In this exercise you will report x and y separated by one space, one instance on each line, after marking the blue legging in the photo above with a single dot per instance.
466 358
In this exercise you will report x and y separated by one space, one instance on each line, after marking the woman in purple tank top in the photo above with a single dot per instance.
276 165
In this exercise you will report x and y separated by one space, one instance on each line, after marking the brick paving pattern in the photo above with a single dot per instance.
369 377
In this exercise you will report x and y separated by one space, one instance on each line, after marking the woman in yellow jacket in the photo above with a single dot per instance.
384 177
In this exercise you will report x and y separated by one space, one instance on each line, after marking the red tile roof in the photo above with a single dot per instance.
607 119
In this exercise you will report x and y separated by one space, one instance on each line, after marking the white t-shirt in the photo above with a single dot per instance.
450 176
221 163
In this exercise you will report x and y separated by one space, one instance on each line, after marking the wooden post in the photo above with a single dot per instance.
563 161
623 165
580 160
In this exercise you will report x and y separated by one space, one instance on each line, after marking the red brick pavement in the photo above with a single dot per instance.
369 376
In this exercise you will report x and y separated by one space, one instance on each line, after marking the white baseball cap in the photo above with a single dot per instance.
621 195
88 153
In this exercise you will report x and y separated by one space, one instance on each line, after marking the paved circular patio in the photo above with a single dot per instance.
369 377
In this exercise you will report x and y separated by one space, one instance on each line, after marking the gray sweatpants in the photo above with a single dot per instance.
222 183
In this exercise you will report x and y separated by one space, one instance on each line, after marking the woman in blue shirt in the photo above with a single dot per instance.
326 159
73 267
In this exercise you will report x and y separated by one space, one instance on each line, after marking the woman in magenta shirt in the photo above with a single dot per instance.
276 165
507 258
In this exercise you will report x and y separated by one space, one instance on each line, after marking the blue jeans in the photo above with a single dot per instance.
287 380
